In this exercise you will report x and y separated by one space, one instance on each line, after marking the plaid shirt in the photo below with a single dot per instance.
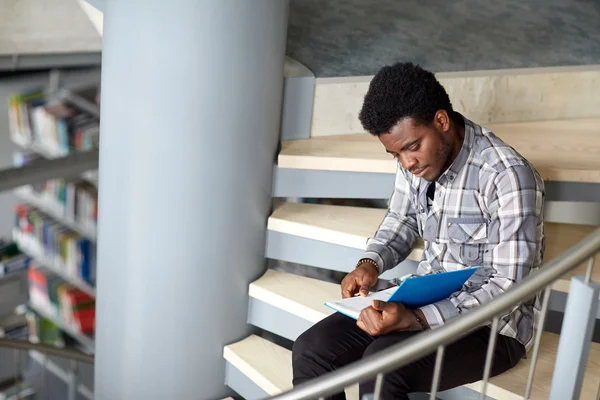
487 212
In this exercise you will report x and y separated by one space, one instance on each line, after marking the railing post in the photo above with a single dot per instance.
575 339
17 354
538 341
437 373
378 385
73 380
490 356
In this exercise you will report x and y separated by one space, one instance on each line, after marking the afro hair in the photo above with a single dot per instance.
399 91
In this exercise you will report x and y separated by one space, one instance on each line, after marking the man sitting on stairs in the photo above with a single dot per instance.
475 201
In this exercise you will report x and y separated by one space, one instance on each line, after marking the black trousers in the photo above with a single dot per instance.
336 341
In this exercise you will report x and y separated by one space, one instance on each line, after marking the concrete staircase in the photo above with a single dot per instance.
337 161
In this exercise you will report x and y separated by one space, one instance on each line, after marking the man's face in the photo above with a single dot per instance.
424 151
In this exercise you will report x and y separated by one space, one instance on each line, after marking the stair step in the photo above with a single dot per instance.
542 143
341 225
301 296
352 226
560 237
515 380
288 293
270 367
266 364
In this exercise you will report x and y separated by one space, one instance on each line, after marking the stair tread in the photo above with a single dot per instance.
289 292
560 237
541 142
352 226
515 380
341 225
265 363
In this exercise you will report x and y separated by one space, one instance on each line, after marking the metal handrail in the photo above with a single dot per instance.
47 349
425 343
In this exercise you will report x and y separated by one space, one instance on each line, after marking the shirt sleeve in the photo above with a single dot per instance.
398 231
515 206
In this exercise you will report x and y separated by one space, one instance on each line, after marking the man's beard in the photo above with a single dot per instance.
444 153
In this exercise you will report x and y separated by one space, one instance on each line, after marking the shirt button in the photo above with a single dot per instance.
451 178
422 210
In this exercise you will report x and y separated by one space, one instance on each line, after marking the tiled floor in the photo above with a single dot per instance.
356 37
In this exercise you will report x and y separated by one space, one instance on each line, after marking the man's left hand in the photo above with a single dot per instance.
393 317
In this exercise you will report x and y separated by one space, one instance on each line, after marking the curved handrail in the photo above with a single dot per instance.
47 349
419 346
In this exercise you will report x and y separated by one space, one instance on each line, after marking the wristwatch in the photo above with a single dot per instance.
419 320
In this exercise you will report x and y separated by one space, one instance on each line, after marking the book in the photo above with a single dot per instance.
47 291
13 326
17 391
41 236
413 292
55 125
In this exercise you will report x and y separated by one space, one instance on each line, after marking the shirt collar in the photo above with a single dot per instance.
461 159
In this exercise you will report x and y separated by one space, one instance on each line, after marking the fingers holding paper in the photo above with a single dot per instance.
361 280
382 318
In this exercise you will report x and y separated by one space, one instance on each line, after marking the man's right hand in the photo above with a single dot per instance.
361 280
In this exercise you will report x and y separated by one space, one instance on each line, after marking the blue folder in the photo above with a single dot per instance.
419 291
413 292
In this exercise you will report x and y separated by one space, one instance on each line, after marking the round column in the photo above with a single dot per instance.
191 102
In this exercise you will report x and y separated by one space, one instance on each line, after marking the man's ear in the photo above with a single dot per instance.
442 121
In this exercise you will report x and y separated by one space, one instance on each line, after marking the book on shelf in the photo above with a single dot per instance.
22 158
20 106
42 330
44 237
14 264
16 391
75 199
11 258
60 126
48 292
14 326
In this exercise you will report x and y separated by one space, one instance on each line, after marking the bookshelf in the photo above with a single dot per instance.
29 247
86 341
46 152
55 211
55 223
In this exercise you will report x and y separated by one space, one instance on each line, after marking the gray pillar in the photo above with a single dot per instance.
191 101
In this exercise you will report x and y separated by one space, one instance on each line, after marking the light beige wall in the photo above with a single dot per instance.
45 26
498 96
